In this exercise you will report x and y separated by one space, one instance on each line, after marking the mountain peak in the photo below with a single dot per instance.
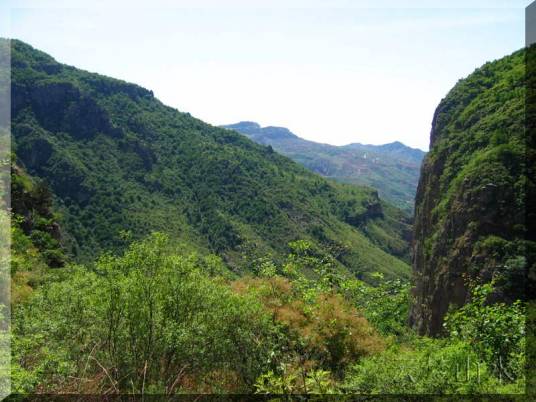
244 125
396 144
275 132
261 134
399 145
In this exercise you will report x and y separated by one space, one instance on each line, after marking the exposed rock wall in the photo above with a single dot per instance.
470 204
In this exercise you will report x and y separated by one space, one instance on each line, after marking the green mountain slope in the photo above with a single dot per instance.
120 164
470 205
392 169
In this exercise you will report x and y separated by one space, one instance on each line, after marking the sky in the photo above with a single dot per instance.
335 72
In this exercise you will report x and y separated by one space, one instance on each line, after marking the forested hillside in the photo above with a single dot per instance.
152 253
470 207
120 164
392 169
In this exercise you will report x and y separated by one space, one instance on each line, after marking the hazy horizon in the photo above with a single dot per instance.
318 142
337 75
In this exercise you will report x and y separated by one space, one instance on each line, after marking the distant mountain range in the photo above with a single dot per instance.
393 169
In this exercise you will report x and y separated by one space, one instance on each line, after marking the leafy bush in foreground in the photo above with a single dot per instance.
496 331
143 322
432 367
325 331
150 321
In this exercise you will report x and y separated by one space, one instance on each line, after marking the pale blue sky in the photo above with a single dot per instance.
334 72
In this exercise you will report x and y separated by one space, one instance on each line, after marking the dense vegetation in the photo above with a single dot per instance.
117 160
5 227
152 321
392 169
471 202
259 280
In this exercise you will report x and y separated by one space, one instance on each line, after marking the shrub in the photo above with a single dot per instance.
325 329
496 331
434 367
295 381
145 321
385 306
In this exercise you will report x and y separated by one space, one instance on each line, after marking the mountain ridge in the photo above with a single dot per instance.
120 164
391 168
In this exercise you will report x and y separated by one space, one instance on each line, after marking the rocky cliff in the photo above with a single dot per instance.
470 203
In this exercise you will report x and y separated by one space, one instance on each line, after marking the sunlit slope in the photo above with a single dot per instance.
121 164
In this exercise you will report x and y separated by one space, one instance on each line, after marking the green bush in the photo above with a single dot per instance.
144 321
434 367
295 382
386 306
496 331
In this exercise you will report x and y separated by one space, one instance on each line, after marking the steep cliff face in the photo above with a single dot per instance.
470 204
